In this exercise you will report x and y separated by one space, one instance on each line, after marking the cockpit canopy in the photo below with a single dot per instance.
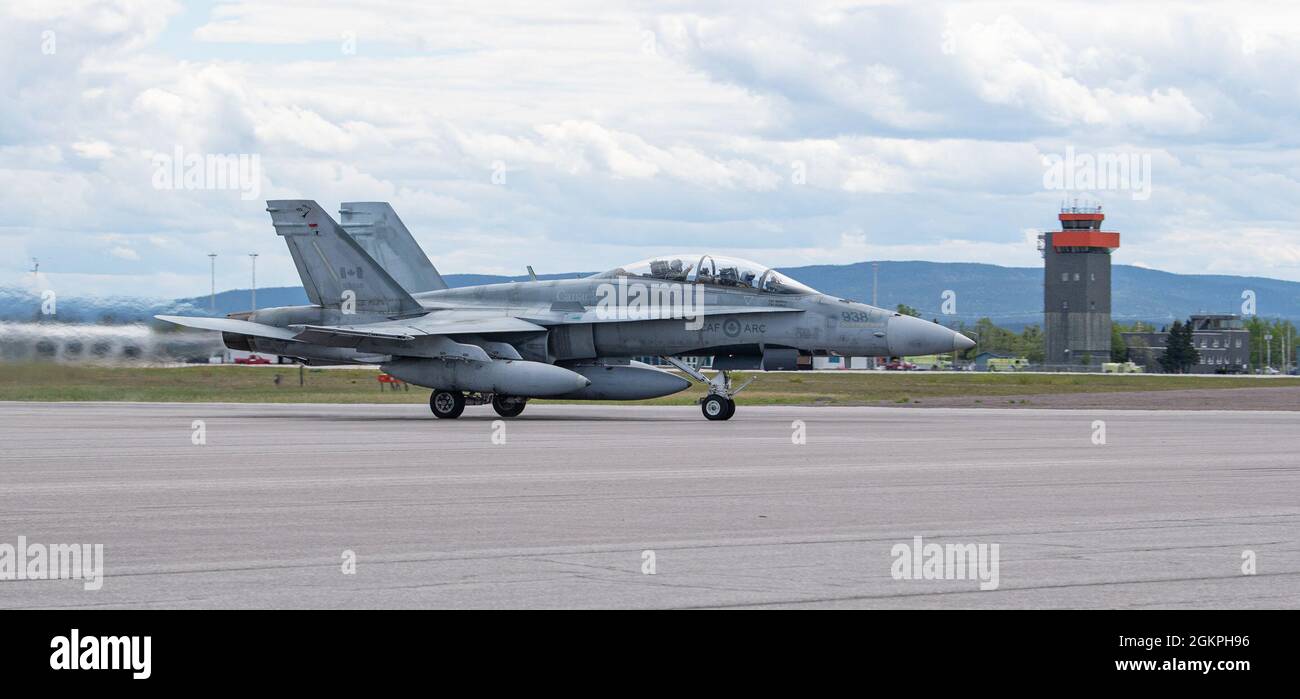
714 270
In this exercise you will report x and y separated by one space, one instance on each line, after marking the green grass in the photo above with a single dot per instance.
239 384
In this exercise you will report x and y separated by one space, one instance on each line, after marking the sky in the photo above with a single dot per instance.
575 136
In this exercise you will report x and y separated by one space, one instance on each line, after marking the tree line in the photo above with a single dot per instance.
1180 355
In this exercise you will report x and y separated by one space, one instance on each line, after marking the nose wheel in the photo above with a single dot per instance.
716 407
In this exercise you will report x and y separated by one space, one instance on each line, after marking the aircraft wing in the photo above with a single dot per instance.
230 325
425 336
405 330
447 322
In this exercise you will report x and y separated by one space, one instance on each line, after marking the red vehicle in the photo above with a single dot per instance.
253 359
899 365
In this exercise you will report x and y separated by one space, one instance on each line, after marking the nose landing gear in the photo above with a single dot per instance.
716 407
720 403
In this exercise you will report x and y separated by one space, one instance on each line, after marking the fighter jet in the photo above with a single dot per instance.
502 344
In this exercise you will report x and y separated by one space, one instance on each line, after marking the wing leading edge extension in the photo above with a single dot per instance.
559 315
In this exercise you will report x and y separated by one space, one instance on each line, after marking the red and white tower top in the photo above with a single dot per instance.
1081 228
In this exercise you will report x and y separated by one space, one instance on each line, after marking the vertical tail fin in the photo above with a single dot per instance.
378 230
333 267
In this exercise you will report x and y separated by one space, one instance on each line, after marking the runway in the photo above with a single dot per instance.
439 514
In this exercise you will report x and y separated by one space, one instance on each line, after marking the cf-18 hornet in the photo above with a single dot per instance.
376 299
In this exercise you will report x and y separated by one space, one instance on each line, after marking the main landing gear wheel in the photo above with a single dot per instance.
717 407
507 406
447 405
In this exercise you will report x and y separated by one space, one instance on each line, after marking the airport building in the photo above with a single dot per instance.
1222 341
1076 289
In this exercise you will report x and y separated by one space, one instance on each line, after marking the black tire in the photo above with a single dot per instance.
715 408
507 406
447 405
731 409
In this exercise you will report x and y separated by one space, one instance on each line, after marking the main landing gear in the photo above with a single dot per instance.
508 406
720 403
448 405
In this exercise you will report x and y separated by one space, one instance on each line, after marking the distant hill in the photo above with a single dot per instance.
1013 296
1010 296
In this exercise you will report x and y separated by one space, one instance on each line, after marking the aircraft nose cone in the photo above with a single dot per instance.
909 336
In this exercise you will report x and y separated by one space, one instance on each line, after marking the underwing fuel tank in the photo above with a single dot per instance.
634 381
501 376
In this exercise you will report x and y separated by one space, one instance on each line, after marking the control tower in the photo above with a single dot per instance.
1076 288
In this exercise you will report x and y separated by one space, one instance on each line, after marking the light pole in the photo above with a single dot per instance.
1268 352
212 257
253 256
875 288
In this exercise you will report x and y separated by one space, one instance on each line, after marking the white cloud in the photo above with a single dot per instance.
1042 73
93 150
122 252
